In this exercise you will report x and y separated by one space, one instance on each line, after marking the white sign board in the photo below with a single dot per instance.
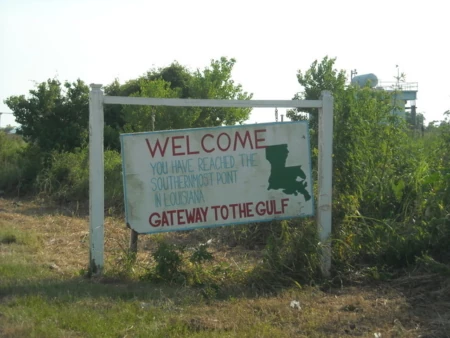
185 179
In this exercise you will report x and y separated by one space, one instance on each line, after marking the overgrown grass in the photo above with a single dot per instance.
44 293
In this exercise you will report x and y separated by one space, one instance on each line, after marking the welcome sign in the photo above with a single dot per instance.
185 179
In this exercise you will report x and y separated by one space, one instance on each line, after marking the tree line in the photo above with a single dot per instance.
54 115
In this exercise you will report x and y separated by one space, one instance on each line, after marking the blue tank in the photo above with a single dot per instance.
365 80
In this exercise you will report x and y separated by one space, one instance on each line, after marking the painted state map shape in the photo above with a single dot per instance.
291 179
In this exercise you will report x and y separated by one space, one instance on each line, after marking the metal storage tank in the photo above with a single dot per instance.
365 80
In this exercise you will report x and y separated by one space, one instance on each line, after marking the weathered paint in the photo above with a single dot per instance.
185 179
96 180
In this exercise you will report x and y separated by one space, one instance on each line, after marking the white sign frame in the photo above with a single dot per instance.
96 160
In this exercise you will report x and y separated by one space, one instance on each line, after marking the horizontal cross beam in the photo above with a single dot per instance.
146 101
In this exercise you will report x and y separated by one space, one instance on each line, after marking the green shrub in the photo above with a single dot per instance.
201 254
67 177
408 213
169 262
20 163
10 159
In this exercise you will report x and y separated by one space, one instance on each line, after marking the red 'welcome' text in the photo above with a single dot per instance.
179 145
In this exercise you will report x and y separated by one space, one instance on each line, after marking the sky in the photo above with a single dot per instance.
100 40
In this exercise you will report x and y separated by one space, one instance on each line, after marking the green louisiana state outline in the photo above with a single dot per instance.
292 180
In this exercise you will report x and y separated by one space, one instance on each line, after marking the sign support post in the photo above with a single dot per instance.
324 208
134 237
96 180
